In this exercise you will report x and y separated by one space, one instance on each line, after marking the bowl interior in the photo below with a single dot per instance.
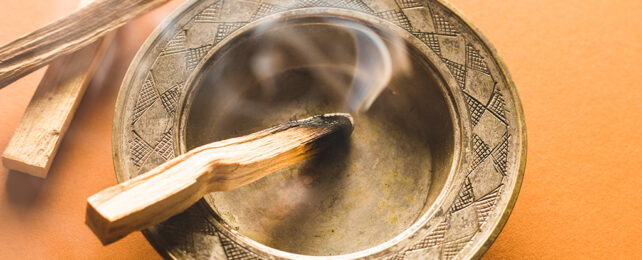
356 194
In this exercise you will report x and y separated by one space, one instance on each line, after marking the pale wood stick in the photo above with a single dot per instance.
220 166
64 36
35 141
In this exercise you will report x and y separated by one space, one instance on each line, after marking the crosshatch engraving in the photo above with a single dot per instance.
448 236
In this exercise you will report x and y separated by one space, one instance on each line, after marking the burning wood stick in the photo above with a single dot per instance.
220 166
69 34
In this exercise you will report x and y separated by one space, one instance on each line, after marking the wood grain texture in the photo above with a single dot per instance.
579 199
176 184
36 140
69 34
76 173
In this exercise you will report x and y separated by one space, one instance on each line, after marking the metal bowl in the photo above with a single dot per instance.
432 169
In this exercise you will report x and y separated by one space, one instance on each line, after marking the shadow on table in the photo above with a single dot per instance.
22 189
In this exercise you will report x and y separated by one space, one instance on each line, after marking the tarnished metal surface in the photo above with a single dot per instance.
433 167
350 198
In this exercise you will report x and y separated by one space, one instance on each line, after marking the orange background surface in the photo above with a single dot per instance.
577 65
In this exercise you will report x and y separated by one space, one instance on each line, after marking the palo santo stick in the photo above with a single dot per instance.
35 141
220 166
64 36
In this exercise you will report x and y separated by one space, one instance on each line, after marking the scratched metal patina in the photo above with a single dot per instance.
444 193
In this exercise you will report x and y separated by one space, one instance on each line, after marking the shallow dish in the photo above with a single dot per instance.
433 167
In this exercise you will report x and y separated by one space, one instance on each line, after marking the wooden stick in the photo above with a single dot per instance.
220 166
69 34
36 139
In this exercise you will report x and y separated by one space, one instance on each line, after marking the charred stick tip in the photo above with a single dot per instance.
341 121
332 128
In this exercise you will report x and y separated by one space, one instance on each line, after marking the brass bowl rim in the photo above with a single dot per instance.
481 245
